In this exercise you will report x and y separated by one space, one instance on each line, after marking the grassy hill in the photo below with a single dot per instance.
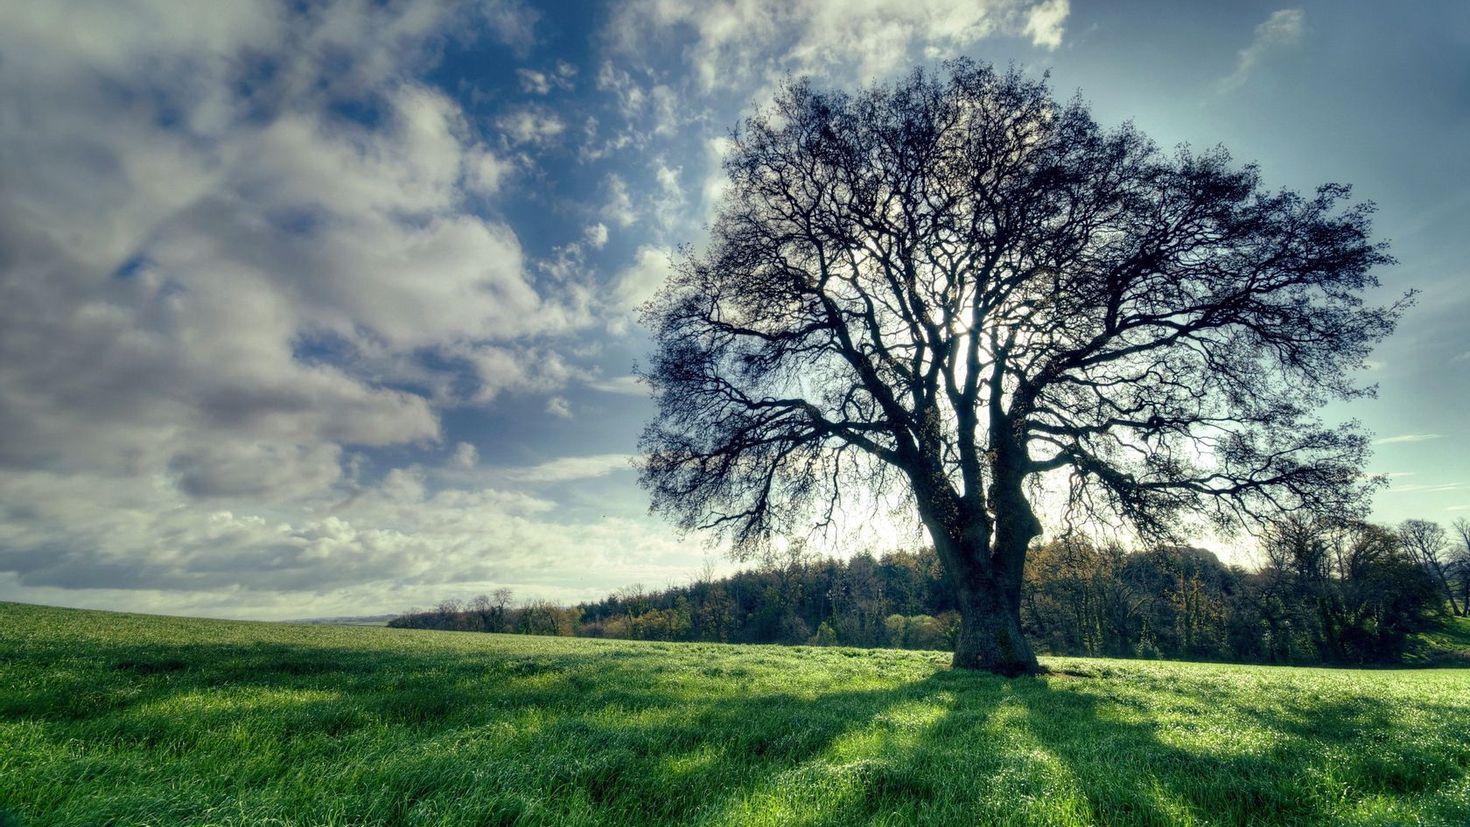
128 719
1449 645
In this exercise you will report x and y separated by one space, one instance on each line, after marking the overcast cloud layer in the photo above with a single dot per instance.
330 311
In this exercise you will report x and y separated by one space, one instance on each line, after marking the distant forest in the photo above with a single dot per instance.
1345 594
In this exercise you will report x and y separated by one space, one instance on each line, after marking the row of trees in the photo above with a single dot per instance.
1325 593
494 613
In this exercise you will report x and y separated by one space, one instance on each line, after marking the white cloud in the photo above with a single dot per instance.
623 385
465 456
559 407
246 236
1282 29
564 469
670 205
630 95
1405 438
531 125
596 235
485 172
232 469
1044 22
740 41
537 83
511 368
619 207
715 179
1426 488
664 103
636 283
80 541
668 178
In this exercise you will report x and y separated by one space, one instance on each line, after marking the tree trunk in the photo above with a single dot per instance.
990 634
986 582
990 608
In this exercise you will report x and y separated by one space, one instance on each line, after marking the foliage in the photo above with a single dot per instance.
134 720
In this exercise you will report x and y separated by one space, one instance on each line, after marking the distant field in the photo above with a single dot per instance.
127 719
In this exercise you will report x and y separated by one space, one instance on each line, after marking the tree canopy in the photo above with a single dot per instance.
955 285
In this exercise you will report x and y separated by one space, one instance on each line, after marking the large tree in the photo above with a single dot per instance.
956 286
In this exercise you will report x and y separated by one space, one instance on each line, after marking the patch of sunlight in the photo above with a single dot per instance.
811 793
895 730
914 716
1218 738
236 700
1453 798
1170 804
20 736
1031 774
523 723
1381 809
821 788
694 761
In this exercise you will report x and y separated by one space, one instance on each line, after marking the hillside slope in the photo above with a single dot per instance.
128 719
1447 645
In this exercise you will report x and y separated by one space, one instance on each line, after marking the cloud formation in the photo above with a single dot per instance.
1282 29
564 469
238 250
731 43
396 545
1405 438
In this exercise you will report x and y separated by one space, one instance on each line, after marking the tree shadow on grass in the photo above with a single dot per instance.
660 734
1060 749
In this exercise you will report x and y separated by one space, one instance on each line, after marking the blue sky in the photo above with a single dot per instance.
327 308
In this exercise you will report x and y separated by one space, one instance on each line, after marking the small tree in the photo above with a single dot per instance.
952 286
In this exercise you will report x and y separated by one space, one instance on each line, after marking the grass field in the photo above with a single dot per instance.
127 719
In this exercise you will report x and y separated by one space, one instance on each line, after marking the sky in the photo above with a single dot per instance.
329 308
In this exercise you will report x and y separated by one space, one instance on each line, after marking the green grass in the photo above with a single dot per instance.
127 719
1447 645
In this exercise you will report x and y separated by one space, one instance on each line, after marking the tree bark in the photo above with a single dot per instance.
989 599
990 633
990 594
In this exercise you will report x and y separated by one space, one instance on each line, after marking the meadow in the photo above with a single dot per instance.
131 720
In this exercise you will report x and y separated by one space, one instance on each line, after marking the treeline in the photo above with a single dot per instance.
494 612
1324 594
1344 594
